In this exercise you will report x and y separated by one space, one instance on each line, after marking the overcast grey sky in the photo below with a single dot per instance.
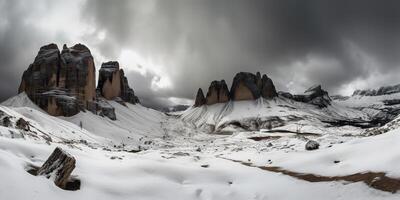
169 48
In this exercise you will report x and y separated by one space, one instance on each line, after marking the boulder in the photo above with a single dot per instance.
247 86
217 93
200 99
312 145
59 167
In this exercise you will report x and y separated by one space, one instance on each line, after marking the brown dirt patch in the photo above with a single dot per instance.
376 180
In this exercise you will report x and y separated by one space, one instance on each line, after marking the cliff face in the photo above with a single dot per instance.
61 83
200 99
113 83
245 86
217 93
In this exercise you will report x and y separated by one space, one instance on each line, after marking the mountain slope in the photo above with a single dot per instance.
278 112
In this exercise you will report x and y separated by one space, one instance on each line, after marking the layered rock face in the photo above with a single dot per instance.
200 99
247 86
109 83
127 93
61 83
316 96
113 83
217 93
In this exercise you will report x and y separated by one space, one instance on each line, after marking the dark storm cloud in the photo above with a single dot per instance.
340 44
298 42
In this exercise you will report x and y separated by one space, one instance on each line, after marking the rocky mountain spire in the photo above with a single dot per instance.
217 93
200 99
61 83
113 83
245 86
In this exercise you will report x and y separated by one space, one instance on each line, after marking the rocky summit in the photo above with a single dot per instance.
217 93
63 83
113 83
315 95
245 86
200 99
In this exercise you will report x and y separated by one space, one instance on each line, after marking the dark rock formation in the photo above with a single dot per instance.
61 83
200 99
268 90
247 86
316 96
311 145
77 73
217 93
22 124
127 93
113 83
59 166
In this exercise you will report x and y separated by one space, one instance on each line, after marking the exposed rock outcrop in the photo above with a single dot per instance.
127 93
200 99
113 83
247 86
217 93
311 145
316 96
59 167
61 83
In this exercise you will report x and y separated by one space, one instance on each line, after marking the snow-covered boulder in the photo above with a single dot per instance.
312 145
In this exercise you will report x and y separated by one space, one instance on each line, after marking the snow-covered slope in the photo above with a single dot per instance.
382 108
181 161
133 122
262 113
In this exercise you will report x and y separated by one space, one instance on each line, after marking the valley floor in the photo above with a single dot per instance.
175 160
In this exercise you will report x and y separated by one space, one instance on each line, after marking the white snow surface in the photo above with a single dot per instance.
181 161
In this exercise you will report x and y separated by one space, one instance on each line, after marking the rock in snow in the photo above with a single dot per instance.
59 167
312 145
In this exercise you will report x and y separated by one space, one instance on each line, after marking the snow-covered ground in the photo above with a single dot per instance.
180 159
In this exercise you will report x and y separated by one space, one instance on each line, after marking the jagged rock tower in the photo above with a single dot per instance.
113 84
61 83
245 86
